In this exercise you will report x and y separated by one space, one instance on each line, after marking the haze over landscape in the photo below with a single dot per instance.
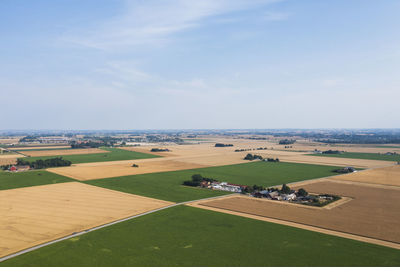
200 64
199 133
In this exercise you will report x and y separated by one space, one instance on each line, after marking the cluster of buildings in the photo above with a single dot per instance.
275 195
223 186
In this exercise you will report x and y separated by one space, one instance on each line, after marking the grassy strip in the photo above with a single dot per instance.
186 236
354 155
113 155
168 185
10 180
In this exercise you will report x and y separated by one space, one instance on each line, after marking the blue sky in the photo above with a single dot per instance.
99 64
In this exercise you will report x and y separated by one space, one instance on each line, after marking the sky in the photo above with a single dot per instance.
210 64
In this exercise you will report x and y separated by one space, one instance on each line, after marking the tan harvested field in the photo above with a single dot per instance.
373 212
34 215
9 140
90 171
184 157
299 157
63 152
309 146
144 149
9 159
38 147
384 176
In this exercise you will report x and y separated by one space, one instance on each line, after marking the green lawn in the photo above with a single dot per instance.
114 154
9 180
168 185
354 155
186 236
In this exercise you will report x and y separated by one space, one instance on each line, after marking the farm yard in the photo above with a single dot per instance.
186 236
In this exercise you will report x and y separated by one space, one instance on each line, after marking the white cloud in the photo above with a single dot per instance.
154 21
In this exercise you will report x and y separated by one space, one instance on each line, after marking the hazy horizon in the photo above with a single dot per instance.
213 64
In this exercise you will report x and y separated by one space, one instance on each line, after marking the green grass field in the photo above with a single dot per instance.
186 236
168 185
113 155
29 178
354 155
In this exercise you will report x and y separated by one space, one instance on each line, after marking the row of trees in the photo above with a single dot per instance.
252 157
332 152
197 179
87 144
159 150
42 164
287 141
249 149
222 145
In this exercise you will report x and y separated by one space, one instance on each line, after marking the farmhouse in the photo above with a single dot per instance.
18 168
224 186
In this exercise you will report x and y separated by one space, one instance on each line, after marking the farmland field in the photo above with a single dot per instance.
354 155
62 152
186 236
10 180
382 176
34 215
168 185
363 215
113 154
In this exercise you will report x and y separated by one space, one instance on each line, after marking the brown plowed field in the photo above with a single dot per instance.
34 215
63 152
384 176
373 212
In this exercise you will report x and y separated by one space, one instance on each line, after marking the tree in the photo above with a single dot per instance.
285 189
249 157
302 192
197 178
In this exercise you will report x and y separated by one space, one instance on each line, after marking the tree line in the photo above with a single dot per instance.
42 164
